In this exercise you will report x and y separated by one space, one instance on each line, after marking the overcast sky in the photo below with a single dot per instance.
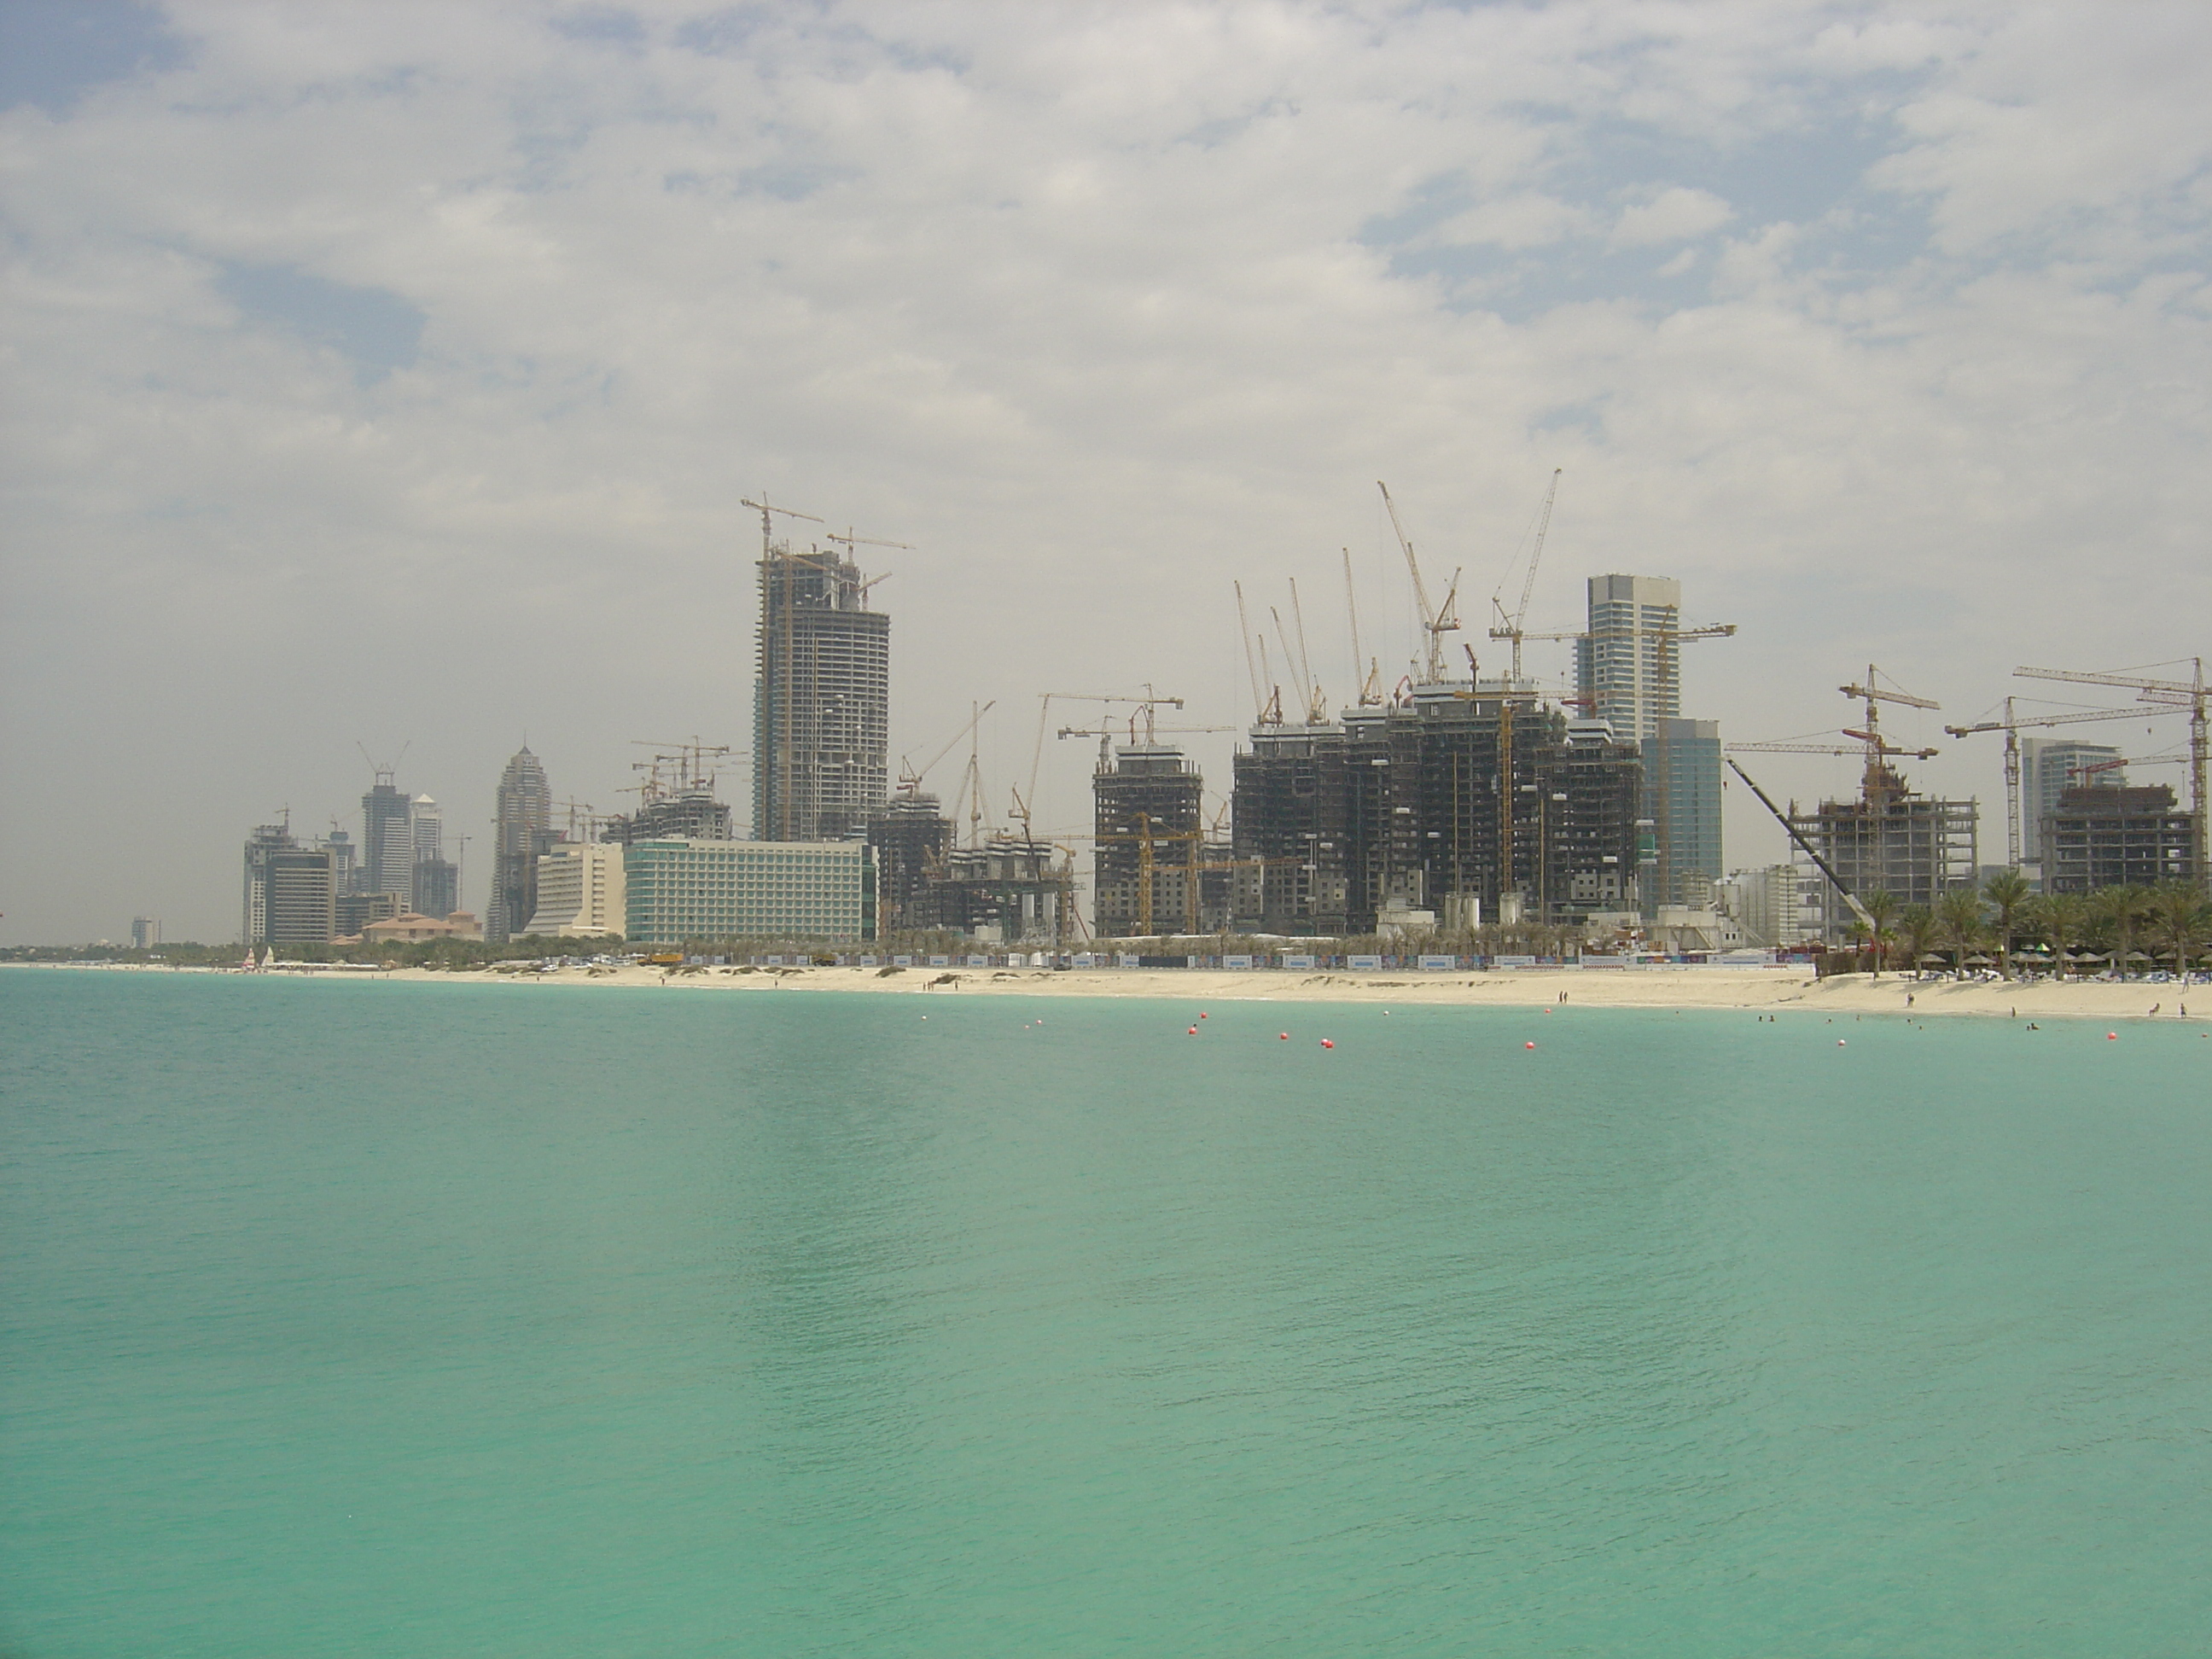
390 375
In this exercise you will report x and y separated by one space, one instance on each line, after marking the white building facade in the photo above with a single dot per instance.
679 890
582 891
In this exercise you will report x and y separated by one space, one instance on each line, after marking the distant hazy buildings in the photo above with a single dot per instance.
289 897
523 834
356 911
580 892
681 890
821 699
145 932
434 888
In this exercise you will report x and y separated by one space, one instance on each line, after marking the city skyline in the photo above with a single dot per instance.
1098 312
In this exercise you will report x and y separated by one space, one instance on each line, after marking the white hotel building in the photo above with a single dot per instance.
681 889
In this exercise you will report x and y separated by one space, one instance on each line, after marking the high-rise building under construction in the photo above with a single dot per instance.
388 840
1150 834
820 698
1457 802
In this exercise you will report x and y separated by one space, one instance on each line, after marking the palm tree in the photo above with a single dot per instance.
2183 918
1916 929
2114 911
1958 915
2058 918
2008 891
1882 908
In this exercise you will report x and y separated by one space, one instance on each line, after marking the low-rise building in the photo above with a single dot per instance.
677 891
1768 904
580 892
409 927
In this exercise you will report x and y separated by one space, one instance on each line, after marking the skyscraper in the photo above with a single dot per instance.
523 834
1628 670
287 897
387 841
821 700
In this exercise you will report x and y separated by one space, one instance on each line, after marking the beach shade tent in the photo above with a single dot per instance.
1934 957
2139 956
1979 961
2086 956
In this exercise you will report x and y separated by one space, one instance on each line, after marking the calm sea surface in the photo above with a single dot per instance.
396 1320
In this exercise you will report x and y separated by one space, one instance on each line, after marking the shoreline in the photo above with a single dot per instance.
1730 990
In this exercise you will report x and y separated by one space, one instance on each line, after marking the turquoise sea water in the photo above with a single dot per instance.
442 1320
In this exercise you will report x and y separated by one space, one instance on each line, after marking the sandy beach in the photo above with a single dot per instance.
1763 990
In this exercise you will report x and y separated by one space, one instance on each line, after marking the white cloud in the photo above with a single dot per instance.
1674 215
1087 303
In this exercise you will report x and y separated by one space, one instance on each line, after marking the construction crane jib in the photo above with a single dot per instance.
1513 624
1434 622
2012 726
2175 696
911 777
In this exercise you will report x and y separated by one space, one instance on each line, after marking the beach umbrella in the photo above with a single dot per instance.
2138 956
1933 955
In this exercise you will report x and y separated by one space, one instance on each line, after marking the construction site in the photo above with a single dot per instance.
1463 810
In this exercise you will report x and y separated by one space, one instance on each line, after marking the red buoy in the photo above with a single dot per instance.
1193 1031
1325 1043
1527 1045
2111 1037
1285 1035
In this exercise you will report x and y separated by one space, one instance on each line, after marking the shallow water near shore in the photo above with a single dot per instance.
355 1318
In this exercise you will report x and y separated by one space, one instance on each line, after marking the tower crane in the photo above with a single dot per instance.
1512 629
1877 781
2174 695
849 541
910 778
1149 702
1434 622
2012 726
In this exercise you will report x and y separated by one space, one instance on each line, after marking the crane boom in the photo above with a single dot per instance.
1826 869
1436 624
910 778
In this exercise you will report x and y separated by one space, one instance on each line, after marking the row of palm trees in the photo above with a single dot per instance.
2110 927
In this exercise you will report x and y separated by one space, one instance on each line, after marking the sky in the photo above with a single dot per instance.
385 379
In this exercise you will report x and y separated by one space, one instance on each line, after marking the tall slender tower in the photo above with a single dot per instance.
821 700
387 841
524 831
